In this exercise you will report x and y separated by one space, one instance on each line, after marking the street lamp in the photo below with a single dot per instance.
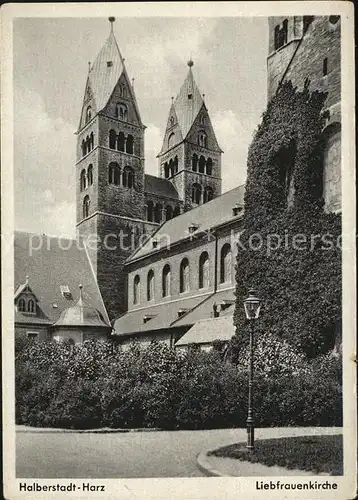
252 307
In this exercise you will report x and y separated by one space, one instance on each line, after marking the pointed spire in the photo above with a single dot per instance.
27 280
188 102
111 20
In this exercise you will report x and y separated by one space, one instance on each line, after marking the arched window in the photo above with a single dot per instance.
225 263
202 140
91 141
196 194
150 285
194 162
284 31
202 119
158 213
90 175
88 144
84 147
112 139
31 306
202 165
176 211
83 182
21 305
122 91
171 140
166 281
176 164
88 114
121 112
86 206
208 194
204 270
172 121
332 171
128 177
150 211
129 144
171 167
114 174
168 212
136 290
209 166
121 141
184 276
166 170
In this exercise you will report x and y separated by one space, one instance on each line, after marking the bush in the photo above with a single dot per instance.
99 385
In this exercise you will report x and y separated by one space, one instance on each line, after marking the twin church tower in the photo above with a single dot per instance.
117 202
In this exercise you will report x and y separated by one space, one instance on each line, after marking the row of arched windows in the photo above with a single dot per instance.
28 306
155 212
171 167
120 142
200 195
201 165
184 286
119 178
87 144
86 178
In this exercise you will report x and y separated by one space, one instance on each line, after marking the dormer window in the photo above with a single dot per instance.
190 96
21 305
172 121
192 228
65 292
109 64
88 114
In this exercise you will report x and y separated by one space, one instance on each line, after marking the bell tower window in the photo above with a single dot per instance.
202 139
86 206
121 112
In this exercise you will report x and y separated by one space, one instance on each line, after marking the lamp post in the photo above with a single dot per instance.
252 307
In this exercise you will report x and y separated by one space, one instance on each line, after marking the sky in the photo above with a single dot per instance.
51 58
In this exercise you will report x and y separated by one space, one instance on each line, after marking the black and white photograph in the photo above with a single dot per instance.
178 250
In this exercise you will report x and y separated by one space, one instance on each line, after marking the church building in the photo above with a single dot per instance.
159 253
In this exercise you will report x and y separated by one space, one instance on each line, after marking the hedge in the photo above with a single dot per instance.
99 385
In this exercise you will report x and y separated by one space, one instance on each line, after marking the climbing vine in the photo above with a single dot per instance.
289 252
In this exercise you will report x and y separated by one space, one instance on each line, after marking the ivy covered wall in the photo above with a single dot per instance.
290 251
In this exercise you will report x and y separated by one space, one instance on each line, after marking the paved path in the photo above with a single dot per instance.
131 455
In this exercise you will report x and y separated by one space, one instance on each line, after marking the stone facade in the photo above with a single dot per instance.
309 47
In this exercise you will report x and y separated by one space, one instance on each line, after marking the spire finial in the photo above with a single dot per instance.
89 66
80 287
27 280
190 63
172 98
133 82
111 20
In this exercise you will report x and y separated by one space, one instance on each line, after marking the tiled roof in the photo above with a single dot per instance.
165 314
206 216
162 316
50 266
102 77
186 108
208 330
81 315
159 187
205 308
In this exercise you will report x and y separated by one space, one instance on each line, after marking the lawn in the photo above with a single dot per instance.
309 453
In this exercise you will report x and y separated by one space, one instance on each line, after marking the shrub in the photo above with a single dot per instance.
160 387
